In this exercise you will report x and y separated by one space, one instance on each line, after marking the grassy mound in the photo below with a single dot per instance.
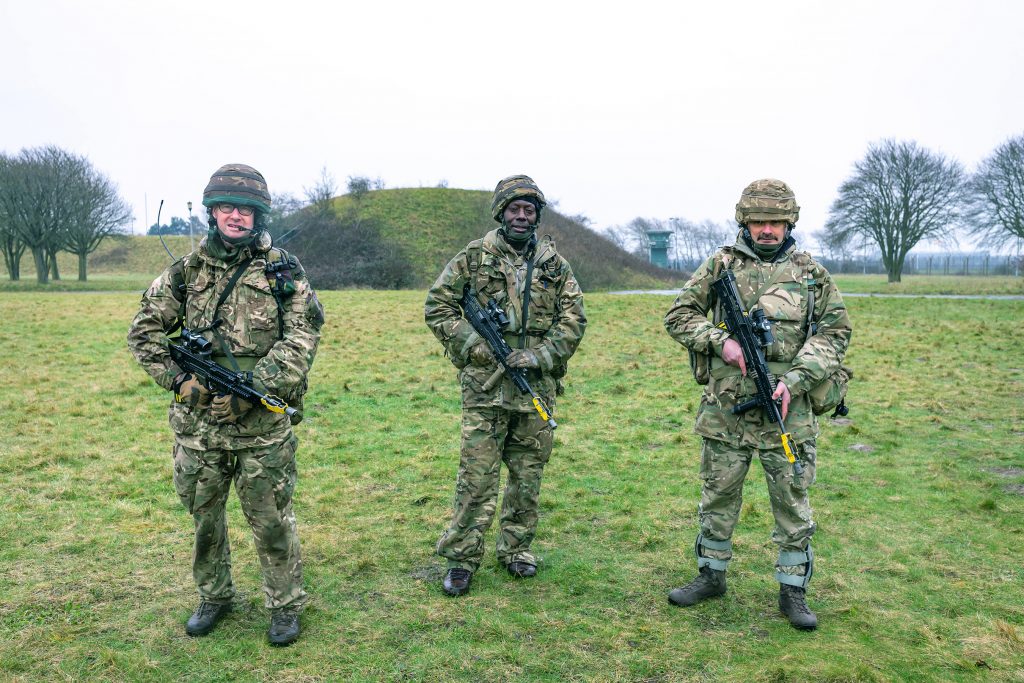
430 225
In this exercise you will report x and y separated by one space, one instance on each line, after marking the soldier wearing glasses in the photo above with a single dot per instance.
254 304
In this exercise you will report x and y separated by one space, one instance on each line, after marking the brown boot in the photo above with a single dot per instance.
710 583
793 604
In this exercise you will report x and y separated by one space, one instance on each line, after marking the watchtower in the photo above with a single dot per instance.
660 240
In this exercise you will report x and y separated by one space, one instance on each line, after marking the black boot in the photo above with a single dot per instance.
521 570
206 617
456 581
793 604
710 583
284 627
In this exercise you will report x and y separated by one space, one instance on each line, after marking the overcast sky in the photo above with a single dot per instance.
617 110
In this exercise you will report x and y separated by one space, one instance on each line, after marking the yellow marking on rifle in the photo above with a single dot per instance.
785 447
278 409
540 409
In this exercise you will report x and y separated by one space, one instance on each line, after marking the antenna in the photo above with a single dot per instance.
160 234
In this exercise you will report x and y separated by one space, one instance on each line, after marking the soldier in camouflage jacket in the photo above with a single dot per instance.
270 322
499 423
772 275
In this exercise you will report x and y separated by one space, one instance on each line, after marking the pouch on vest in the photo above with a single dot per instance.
700 366
830 391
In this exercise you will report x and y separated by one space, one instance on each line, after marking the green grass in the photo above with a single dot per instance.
919 503
932 284
118 264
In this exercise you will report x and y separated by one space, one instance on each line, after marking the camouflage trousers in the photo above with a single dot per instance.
265 481
723 470
491 436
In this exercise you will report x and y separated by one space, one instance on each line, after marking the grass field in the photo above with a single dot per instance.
919 501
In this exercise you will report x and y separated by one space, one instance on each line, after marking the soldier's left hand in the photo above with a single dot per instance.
782 391
229 409
522 358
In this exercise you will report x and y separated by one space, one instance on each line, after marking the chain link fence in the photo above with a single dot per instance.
916 264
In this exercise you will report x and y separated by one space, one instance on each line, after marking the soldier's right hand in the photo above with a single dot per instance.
481 355
732 353
190 391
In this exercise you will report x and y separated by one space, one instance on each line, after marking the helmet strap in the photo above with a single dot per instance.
518 244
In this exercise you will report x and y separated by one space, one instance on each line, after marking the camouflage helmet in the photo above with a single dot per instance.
512 188
767 200
237 184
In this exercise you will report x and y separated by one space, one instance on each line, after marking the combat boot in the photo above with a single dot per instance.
521 570
710 583
456 581
206 616
793 604
284 627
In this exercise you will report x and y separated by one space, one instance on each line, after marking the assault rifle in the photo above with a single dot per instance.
489 323
754 334
192 353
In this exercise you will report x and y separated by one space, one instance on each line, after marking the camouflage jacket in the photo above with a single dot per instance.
554 328
800 362
278 356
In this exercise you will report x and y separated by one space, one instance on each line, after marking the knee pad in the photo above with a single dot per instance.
796 558
703 561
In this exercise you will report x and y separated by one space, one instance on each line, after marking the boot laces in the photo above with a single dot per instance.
797 600
282 619
207 608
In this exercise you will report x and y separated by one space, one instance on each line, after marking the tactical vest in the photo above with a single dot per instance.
826 395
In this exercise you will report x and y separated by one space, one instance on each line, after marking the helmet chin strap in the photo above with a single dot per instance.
506 233
782 246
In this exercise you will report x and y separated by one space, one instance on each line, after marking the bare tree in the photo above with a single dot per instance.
838 246
696 241
10 243
619 236
30 198
995 197
322 193
285 216
54 200
639 230
898 195
95 211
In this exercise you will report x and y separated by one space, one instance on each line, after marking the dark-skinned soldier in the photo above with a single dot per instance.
499 423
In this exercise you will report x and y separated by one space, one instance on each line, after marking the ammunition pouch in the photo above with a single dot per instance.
700 366
831 391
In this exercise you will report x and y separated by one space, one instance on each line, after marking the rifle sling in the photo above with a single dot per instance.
223 297
530 250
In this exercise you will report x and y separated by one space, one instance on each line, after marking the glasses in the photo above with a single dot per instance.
242 210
